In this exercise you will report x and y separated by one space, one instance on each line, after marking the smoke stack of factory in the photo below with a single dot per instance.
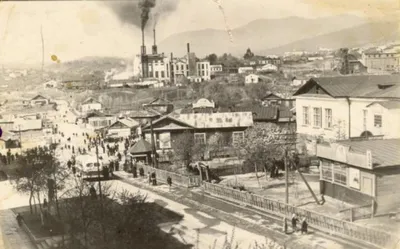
154 47
191 60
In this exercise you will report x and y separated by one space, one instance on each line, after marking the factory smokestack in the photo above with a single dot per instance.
154 48
188 47
143 48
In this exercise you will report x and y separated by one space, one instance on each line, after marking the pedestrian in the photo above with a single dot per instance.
92 191
304 226
45 205
119 156
149 176
19 219
141 172
104 149
112 172
294 222
116 166
169 181
69 147
69 163
84 141
153 178
73 150
112 165
285 226
134 171
79 150
73 170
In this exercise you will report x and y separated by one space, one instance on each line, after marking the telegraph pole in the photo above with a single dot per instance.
153 145
99 181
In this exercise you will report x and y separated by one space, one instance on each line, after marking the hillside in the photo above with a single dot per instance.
258 35
363 35
89 65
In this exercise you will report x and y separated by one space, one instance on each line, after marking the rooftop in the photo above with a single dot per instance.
361 86
385 152
388 104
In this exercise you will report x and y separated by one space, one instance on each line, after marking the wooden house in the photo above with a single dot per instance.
364 172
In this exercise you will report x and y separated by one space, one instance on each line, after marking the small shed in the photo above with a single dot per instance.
252 78
141 151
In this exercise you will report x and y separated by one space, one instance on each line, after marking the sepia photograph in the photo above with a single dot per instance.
200 124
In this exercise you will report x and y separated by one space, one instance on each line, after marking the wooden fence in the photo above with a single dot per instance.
359 212
178 179
319 221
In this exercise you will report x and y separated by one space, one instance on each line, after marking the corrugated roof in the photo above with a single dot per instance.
357 86
385 152
260 112
218 120
388 104
141 147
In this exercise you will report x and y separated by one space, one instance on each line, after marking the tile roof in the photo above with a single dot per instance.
385 152
388 104
357 86
218 120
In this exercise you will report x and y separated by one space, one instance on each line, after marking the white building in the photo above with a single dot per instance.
215 69
90 104
336 108
122 127
245 69
251 79
99 120
268 68
203 70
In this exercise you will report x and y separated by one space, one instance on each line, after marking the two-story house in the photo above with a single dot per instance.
337 108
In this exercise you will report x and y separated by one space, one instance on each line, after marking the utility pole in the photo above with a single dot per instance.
153 145
20 139
99 181
286 178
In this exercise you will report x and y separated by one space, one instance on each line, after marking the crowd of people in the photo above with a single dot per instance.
294 220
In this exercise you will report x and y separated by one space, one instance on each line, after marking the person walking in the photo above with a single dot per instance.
149 176
19 219
169 181
69 163
304 226
112 165
285 226
119 156
294 222
116 166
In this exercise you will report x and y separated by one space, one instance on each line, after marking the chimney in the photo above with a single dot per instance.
154 48
143 47
188 47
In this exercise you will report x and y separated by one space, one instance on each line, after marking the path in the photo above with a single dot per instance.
12 236
210 228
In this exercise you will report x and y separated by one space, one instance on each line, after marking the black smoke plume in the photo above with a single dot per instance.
137 12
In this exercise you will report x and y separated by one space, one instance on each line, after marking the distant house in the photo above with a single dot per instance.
122 128
160 105
245 70
272 99
97 120
90 104
364 172
251 79
39 100
268 68
9 140
281 116
298 81
29 130
215 69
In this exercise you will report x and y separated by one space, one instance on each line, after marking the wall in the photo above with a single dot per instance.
162 67
344 194
203 70
390 121
388 196
385 62
340 116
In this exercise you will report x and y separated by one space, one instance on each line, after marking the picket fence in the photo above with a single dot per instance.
178 179
319 221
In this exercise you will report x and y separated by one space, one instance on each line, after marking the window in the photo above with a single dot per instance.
156 74
317 117
326 170
306 120
187 67
200 138
237 137
365 114
339 174
378 121
162 74
165 140
328 118
202 66
182 67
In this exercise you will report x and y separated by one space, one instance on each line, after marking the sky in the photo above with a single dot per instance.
74 29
